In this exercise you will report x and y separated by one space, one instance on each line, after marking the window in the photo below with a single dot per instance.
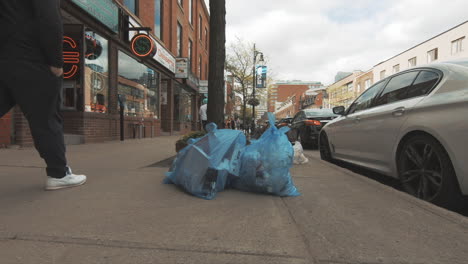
131 5
432 55
200 26
350 87
190 50
190 14
359 87
396 68
365 100
206 38
457 45
412 62
397 88
157 18
423 84
367 84
96 80
179 39
199 66
382 74
138 86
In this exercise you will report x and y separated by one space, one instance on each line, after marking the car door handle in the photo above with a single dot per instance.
398 111
357 119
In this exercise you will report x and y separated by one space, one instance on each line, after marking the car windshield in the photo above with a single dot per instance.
319 113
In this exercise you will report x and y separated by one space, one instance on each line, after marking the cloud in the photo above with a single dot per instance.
313 40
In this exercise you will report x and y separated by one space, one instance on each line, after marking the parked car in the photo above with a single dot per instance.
412 126
284 122
306 125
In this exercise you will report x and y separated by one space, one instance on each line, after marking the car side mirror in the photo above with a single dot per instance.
339 110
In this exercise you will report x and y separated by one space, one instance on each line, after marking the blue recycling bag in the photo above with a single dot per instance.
265 164
202 168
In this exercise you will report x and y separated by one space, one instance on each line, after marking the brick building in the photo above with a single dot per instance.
285 91
107 66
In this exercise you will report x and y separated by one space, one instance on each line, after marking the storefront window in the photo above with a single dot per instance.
138 88
96 84
182 104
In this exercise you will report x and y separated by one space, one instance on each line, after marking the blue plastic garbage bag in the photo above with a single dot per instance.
202 168
266 162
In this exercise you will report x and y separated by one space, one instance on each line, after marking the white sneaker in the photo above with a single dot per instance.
70 180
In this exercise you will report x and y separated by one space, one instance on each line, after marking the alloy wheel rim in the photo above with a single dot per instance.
421 170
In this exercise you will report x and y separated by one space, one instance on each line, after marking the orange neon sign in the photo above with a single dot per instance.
143 46
71 57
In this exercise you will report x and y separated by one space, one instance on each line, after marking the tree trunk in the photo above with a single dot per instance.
217 60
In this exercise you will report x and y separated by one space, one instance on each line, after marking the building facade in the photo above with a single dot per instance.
343 92
283 91
449 45
142 58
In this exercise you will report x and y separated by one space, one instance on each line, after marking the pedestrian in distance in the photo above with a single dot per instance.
202 112
31 72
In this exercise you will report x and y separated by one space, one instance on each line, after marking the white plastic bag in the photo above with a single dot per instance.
299 157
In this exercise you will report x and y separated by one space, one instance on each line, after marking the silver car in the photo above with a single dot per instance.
412 126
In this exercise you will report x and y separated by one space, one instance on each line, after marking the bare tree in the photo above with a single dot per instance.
216 62
239 63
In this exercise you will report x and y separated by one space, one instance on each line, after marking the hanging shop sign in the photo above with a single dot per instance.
106 11
182 68
162 55
143 46
203 86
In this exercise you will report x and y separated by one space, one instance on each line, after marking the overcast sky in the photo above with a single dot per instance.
312 40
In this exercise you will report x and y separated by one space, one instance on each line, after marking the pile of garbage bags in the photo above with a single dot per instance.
221 160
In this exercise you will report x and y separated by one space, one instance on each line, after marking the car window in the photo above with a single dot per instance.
365 100
397 88
423 84
319 113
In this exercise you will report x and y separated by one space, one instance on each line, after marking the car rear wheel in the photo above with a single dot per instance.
324 148
425 171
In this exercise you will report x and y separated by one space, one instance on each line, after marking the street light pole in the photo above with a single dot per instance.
255 83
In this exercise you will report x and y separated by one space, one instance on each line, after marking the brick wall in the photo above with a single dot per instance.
5 130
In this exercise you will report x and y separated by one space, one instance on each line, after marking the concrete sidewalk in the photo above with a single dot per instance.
124 214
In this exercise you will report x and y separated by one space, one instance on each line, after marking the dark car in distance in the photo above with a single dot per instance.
306 125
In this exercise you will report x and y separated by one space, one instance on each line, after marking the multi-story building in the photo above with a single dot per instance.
146 56
281 91
364 81
312 98
342 92
449 45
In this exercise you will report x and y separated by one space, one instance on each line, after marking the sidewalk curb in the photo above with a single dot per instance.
428 207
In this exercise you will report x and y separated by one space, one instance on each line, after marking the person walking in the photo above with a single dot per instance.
202 112
31 72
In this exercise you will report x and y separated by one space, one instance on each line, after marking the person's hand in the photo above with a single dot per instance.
56 71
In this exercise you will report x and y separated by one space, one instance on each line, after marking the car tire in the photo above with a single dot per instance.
426 171
324 148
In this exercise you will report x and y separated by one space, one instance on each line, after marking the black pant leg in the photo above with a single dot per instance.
38 93
6 98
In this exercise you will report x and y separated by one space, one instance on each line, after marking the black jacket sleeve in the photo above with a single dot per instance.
49 22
